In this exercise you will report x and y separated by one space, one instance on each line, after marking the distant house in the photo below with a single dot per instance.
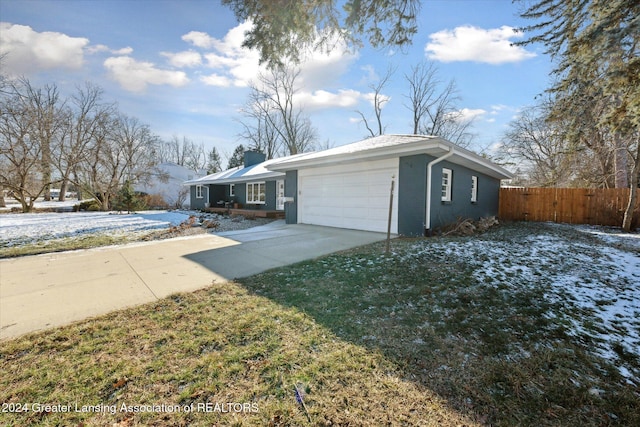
166 182
436 182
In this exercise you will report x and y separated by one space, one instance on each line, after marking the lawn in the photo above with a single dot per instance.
527 324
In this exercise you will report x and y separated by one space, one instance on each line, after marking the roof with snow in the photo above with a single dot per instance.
238 174
389 146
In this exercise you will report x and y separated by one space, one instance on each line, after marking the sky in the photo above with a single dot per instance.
179 67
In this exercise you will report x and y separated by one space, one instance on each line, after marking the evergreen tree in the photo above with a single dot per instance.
595 44
283 30
128 200
214 162
237 158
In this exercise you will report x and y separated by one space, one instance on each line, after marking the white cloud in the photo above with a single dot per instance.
136 75
104 48
241 65
187 58
383 99
199 39
468 43
466 114
237 65
28 51
320 99
319 69
216 80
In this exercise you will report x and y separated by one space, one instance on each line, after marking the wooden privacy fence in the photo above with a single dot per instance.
596 206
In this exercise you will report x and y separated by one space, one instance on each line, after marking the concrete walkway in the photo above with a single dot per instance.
44 291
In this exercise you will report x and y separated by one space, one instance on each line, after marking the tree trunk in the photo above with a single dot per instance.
105 201
620 162
63 189
633 194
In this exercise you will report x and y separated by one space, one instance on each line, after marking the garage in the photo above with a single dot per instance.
436 183
354 195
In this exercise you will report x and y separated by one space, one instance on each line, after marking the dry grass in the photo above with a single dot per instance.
418 337
216 346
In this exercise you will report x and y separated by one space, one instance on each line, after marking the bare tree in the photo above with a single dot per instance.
378 101
85 117
272 103
183 152
45 106
29 121
121 152
541 147
258 127
435 108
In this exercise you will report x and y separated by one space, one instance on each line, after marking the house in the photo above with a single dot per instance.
166 182
436 182
251 187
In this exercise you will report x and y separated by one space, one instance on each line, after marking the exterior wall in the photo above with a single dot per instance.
291 190
443 213
221 193
412 195
197 203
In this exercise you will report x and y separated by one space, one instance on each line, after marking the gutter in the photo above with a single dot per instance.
427 223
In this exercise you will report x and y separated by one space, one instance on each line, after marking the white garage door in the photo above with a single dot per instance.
352 196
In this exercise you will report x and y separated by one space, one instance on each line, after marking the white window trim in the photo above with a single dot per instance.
232 190
447 176
474 189
253 200
199 192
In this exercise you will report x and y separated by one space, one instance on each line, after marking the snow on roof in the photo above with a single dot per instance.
369 144
389 146
238 174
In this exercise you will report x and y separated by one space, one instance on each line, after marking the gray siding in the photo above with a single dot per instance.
197 203
443 213
291 190
412 195
269 197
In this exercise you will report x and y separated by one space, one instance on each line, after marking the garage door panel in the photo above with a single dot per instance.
339 196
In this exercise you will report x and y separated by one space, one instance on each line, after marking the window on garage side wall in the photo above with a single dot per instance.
474 189
256 193
198 191
447 176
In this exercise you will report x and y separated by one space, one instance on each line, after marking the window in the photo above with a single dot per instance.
232 190
256 193
198 191
474 189
446 184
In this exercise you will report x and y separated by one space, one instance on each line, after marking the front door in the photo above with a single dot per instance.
280 195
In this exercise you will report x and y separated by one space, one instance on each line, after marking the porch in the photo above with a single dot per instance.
247 212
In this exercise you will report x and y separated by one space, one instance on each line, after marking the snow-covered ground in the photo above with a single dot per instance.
21 229
593 281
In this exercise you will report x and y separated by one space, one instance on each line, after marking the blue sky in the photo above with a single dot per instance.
178 65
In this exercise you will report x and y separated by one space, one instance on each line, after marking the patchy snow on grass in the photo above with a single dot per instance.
20 229
592 280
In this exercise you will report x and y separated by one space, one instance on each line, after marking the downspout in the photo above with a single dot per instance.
427 222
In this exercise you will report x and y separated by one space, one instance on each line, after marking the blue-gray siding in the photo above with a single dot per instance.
220 193
291 190
412 195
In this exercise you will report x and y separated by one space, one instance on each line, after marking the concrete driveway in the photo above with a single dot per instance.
44 291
